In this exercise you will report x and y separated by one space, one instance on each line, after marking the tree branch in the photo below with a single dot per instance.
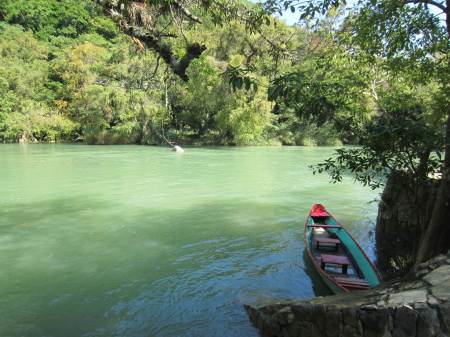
186 12
144 37
178 66
428 2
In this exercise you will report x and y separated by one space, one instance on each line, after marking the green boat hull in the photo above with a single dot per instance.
354 252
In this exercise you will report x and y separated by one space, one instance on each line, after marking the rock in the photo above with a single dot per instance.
290 318
292 330
428 323
396 285
308 317
416 308
333 323
439 275
375 323
409 296
284 310
271 327
302 312
420 306
444 313
284 316
442 291
351 324
405 322
422 266
412 285
421 273
308 329
432 301
437 260
318 319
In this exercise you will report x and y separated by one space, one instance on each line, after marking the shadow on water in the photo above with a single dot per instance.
75 267
319 286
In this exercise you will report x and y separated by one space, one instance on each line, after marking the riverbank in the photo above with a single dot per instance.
416 306
300 140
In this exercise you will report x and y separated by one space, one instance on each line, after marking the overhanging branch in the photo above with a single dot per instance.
148 38
428 2
186 12
164 50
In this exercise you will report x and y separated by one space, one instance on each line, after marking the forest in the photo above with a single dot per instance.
69 73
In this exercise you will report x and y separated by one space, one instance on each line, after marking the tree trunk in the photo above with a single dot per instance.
422 169
437 235
135 20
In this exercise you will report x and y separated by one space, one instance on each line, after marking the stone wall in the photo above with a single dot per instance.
415 307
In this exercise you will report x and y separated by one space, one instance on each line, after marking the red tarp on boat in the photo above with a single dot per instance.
318 210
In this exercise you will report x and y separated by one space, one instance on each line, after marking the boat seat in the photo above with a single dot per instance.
352 283
327 242
340 260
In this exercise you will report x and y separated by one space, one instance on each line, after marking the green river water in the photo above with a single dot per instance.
141 241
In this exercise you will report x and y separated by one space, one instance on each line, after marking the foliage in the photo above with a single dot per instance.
384 80
249 118
68 74
23 73
48 18
404 139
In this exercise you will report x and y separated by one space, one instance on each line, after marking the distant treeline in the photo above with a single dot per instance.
67 73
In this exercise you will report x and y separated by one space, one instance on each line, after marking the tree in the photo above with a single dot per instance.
47 18
147 21
331 88
410 41
24 112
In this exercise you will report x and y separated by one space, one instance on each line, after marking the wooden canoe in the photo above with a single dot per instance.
337 257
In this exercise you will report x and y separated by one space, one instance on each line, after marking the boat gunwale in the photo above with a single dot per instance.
361 249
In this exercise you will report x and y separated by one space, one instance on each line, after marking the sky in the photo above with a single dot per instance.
292 18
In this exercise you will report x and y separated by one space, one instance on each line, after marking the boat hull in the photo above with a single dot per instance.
363 270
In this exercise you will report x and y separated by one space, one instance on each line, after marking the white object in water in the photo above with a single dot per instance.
178 149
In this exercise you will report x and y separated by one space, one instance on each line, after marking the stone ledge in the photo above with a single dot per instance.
417 307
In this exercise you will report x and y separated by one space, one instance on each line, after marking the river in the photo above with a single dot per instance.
141 241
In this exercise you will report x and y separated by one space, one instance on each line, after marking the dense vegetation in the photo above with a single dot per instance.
400 50
68 73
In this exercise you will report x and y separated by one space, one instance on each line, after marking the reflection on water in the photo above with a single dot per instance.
140 241
319 287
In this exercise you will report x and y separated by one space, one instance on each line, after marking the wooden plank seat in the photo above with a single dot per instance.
327 242
352 283
340 260
354 286
352 280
